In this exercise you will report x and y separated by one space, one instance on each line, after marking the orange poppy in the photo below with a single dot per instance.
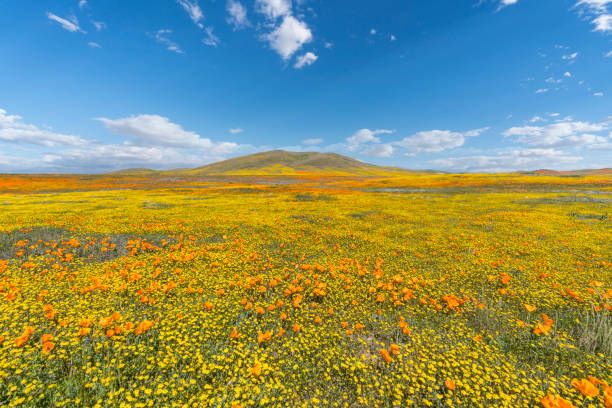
385 355
256 369
585 387
47 347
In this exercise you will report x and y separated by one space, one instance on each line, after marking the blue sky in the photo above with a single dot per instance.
460 85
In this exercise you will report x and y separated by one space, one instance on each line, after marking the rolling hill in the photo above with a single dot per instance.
280 162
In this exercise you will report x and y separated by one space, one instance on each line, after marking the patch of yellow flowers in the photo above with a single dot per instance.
233 298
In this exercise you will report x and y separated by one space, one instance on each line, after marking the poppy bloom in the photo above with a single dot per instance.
394 349
261 337
47 347
234 334
585 387
541 329
385 355
530 308
551 401
256 369
83 331
46 337
450 384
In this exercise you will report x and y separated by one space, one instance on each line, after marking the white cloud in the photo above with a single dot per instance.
161 37
541 90
71 24
392 38
372 31
274 8
567 74
434 141
552 80
537 119
99 25
570 56
237 14
210 39
554 114
100 158
598 94
155 130
314 141
14 131
94 44
363 136
379 150
598 9
304 60
504 3
82 3
525 159
557 134
193 9
235 131
608 54
289 37
603 23
596 5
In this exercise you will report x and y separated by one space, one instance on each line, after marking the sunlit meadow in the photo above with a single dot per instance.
427 291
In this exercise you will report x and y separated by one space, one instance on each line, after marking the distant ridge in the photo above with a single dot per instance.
284 163
280 162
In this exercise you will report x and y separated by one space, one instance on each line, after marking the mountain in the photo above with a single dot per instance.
280 162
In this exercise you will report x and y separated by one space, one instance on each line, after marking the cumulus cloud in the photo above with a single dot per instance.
379 150
162 37
273 8
599 5
314 141
193 10
558 134
541 90
599 12
289 37
434 141
237 14
100 158
513 160
363 136
155 130
305 60
13 130
603 23
71 24
210 39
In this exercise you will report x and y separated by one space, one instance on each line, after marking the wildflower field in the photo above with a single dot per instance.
423 290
